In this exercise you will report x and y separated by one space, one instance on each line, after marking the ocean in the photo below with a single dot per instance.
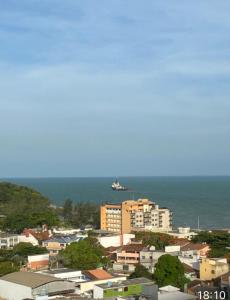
187 197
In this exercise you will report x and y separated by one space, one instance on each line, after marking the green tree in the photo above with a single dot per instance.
68 210
83 255
24 207
7 267
159 240
219 241
170 271
141 271
25 249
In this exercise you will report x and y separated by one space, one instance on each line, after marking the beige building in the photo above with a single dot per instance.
211 268
141 214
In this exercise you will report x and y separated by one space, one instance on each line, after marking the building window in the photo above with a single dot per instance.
213 272
126 289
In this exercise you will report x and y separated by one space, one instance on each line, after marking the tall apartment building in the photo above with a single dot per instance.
129 215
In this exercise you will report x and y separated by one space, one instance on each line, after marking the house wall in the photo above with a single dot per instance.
13 291
127 257
210 269
28 239
88 285
115 240
125 268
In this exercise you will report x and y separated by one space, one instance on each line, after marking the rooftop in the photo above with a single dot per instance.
98 274
133 247
111 285
192 246
176 296
29 279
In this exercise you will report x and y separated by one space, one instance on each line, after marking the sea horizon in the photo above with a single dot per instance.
187 196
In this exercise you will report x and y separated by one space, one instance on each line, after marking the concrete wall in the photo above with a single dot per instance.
13 291
115 240
28 239
97 292
88 285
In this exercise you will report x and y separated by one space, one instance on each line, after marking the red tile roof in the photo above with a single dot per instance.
39 235
98 274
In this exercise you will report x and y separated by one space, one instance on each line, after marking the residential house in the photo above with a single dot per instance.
38 262
129 254
54 245
198 250
131 287
211 268
8 241
39 234
172 293
116 240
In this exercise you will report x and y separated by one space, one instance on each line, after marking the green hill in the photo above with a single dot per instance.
22 207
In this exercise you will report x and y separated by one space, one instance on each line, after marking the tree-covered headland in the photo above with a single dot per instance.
22 207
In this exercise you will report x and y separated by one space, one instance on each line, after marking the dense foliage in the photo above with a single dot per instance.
84 255
81 213
7 267
218 240
22 207
170 271
141 271
12 259
25 249
159 240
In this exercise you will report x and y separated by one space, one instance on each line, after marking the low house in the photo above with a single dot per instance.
38 262
116 240
39 234
95 278
56 244
172 293
129 254
198 250
120 268
29 285
8 241
97 274
211 268
28 237
183 233
131 287
67 274
190 272
84 281
149 256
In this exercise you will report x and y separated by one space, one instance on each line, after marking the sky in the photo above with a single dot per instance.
114 88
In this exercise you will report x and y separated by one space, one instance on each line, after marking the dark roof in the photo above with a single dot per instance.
132 247
29 279
187 268
192 246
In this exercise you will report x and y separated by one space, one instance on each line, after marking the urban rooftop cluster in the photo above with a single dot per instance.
135 254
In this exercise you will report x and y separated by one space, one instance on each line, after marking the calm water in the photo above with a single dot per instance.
187 197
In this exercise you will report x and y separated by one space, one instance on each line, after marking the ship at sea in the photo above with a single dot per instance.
116 186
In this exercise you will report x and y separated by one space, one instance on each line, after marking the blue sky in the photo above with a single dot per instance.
114 88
